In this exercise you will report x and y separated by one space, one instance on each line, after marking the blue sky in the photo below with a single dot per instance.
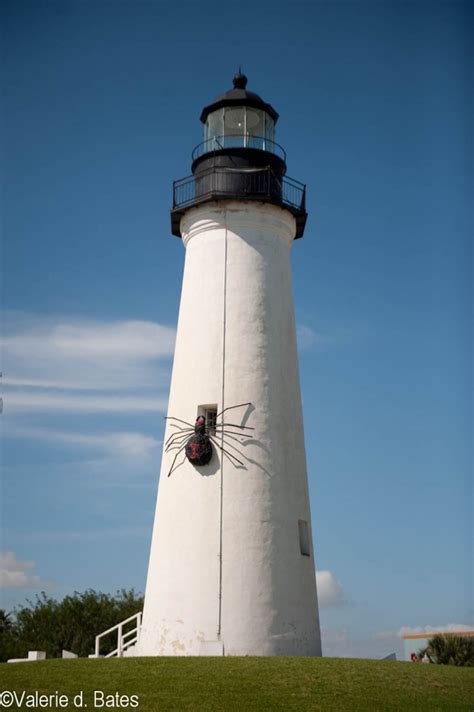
101 108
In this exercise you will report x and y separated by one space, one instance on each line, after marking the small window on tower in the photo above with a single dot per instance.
210 414
305 548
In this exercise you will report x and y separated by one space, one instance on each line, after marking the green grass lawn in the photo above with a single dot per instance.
248 684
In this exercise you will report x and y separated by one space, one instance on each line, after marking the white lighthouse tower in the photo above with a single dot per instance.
232 569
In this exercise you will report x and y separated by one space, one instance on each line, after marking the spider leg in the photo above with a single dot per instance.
233 446
233 425
178 465
231 407
180 434
170 417
176 448
231 457
231 437
172 442
178 441
172 464
220 431
184 431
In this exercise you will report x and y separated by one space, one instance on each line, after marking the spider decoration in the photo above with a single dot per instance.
196 439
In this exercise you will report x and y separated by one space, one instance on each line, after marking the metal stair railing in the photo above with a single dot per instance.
123 639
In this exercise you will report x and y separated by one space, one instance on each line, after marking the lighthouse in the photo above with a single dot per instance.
232 569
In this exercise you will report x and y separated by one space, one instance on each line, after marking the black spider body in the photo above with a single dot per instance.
196 440
199 450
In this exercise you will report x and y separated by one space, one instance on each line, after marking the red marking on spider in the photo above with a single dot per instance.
195 451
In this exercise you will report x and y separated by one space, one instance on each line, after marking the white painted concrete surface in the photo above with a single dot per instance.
67 655
226 573
32 656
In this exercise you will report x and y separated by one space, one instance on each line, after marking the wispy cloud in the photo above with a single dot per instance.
100 460
334 336
47 360
342 642
330 590
111 443
419 630
46 402
392 636
78 338
308 337
88 535
16 573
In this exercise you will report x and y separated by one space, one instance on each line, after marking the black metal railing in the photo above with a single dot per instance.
219 143
293 193
259 184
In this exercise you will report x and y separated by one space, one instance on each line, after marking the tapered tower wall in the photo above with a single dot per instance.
226 572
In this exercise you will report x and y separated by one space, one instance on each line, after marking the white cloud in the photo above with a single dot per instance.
333 337
307 337
330 590
101 460
78 353
448 628
73 402
83 338
17 579
118 444
336 642
342 642
387 635
91 535
47 360
9 561
392 636
16 573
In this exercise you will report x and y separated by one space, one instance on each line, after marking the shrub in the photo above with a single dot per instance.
450 650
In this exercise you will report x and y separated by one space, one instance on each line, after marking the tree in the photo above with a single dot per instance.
6 622
449 650
8 638
70 624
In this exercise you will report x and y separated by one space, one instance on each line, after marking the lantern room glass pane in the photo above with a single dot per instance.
214 124
269 128
255 122
234 124
239 126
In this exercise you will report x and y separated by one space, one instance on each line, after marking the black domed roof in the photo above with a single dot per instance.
239 96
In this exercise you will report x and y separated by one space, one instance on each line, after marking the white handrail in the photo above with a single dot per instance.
122 643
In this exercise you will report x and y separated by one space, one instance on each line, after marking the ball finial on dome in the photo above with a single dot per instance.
240 80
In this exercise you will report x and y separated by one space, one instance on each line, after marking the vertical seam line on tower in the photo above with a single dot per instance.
221 503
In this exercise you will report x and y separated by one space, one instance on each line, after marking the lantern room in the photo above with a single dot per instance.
239 118
239 158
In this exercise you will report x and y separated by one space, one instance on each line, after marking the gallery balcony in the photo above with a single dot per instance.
217 183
